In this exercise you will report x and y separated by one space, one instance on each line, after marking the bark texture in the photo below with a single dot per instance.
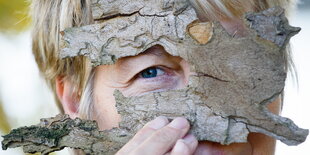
54 134
236 77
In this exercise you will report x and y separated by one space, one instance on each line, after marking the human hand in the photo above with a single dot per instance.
160 137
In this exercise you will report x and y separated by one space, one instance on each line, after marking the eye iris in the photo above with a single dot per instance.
149 73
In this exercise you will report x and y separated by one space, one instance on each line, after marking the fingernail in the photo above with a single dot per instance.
158 122
179 123
179 146
189 139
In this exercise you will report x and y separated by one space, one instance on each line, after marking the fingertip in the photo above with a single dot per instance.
180 148
191 141
179 123
158 122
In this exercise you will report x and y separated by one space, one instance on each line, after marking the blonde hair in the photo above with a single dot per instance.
223 9
50 17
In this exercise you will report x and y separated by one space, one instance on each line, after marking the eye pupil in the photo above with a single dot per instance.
149 73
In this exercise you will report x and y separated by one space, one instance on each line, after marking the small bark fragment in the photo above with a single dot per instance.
279 32
201 32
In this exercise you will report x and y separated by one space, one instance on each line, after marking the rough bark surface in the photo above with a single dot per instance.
54 134
236 77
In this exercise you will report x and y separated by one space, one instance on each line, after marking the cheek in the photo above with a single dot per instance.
187 73
261 144
275 107
105 112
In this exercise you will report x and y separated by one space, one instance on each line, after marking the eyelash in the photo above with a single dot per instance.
166 75
146 73
166 79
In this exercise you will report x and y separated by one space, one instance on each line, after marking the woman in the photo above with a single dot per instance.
83 91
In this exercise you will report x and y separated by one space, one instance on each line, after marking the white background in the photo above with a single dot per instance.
296 102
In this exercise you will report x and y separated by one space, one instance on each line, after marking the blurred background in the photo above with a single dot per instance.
24 97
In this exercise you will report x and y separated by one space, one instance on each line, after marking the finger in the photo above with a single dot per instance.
185 146
165 138
180 148
143 134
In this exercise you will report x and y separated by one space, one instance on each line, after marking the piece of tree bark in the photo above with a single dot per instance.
235 77
54 134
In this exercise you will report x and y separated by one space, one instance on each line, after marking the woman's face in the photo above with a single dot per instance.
156 70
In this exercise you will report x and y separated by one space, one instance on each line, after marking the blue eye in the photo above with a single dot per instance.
151 72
